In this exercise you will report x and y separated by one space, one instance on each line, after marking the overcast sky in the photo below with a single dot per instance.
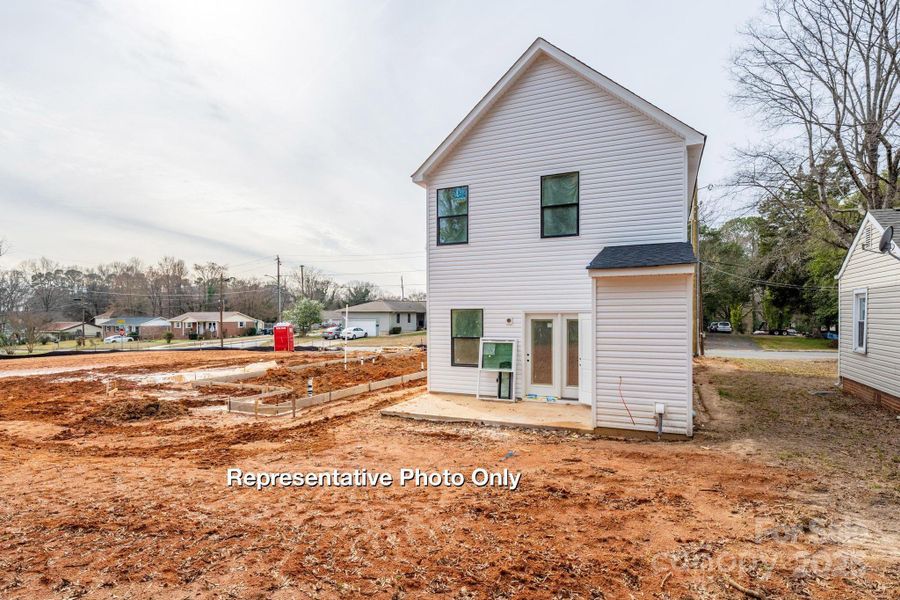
232 131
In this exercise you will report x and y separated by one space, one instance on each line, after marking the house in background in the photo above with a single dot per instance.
206 324
385 315
69 330
869 311
103 318
146 328
557 216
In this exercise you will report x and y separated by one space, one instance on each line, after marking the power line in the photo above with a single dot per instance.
768 283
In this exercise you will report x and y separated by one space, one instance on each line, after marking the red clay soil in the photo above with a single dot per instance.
159 361
334 377
143 510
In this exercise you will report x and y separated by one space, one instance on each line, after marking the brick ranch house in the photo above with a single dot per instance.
206 324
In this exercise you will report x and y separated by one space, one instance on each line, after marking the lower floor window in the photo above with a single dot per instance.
860 315
466 329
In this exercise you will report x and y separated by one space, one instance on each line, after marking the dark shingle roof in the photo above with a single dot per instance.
390 306
888 217
644 255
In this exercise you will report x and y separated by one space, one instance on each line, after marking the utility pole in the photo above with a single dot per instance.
402 292
303 280
221 309
278 284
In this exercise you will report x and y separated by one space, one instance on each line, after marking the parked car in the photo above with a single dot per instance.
115 339
724 327
332 333
351 333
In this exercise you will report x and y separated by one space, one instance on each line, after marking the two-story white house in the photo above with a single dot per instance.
558 217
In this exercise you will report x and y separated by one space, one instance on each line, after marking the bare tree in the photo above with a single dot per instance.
822 76
360 292
27 326
206 278
312 283
169 286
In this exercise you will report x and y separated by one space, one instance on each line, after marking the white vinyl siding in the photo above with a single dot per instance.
632 189
643 352
879 276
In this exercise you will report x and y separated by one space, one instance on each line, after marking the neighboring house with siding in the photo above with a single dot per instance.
869 307
206 324
408 315
557 217
69 330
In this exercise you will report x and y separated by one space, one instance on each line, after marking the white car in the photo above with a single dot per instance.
115 339
723 327
351 333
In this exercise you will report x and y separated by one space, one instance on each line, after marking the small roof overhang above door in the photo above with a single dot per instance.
668 258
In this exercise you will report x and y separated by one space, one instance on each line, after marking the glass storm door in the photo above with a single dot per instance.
553 355
571 370
542 356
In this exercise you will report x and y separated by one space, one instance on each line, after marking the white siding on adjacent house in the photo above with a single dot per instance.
633 189
880 276
643 352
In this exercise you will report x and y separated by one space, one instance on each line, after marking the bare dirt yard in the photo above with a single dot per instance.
783 493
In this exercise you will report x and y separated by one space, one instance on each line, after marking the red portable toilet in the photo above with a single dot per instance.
284 337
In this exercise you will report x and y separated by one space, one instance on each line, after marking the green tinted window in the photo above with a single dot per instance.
453 230
465 332
453 215
466 323
453 201
559 205
497 355
560 220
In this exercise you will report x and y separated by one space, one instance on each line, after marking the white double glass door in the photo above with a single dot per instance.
554 355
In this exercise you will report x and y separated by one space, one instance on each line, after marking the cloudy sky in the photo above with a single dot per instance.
231 131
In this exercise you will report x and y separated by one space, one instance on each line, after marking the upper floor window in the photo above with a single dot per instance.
453 215
559 205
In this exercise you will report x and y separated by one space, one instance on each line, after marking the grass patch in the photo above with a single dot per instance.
778 342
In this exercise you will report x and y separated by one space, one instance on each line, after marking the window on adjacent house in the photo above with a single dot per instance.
860 315
465 332
408 317
453 215
177 324
398 317
559 205
240 323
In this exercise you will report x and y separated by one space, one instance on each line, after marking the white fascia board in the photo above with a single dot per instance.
858 238
691 136
686 269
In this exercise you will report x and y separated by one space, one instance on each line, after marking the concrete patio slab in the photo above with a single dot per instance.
466 409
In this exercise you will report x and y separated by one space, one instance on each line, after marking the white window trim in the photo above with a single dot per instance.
240 323
864 292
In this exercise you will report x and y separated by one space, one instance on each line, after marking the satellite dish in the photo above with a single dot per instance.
885 244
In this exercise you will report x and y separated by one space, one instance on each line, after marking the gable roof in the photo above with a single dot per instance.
881 219
64 326
644 255
114 321
389 306
888 217
211 316
542 47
